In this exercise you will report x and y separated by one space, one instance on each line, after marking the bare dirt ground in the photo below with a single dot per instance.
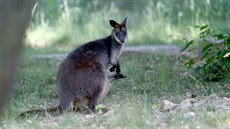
163 49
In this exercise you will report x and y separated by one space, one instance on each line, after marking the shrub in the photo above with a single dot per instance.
211 62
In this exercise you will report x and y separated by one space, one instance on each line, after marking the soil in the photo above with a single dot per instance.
162 49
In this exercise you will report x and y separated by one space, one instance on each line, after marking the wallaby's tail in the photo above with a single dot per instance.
41 112
116 76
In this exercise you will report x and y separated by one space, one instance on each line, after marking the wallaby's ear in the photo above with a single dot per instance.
124 22
113 23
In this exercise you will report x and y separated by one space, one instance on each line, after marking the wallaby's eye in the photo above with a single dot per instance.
124 32
117 31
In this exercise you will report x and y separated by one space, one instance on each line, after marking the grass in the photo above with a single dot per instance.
132 101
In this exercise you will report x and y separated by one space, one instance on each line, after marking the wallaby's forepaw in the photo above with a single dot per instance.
112 69
119 76
116 76
118 70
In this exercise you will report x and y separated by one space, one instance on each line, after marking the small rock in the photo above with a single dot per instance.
191 94
167 105
94 126
200 104
214 96
185 104
89 116
190 115
225 98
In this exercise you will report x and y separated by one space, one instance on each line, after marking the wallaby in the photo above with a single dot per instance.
81 77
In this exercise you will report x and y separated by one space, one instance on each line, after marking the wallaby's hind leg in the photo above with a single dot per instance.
64 104
94 99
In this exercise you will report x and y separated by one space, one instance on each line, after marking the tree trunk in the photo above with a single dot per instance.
14 16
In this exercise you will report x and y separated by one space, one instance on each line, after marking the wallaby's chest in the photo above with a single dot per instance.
115 53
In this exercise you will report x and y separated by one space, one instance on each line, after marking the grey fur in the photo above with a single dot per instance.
81 77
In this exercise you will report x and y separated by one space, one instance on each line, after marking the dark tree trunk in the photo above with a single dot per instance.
14 16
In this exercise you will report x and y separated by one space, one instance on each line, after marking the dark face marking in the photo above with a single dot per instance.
121 33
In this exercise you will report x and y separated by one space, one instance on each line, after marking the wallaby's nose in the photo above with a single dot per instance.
122 40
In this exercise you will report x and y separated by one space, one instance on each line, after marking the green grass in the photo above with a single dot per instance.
132 101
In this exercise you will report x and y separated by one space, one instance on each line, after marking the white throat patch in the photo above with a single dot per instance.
116 38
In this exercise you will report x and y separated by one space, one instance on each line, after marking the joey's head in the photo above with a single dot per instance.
119 33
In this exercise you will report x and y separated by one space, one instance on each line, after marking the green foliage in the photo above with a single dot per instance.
213 61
